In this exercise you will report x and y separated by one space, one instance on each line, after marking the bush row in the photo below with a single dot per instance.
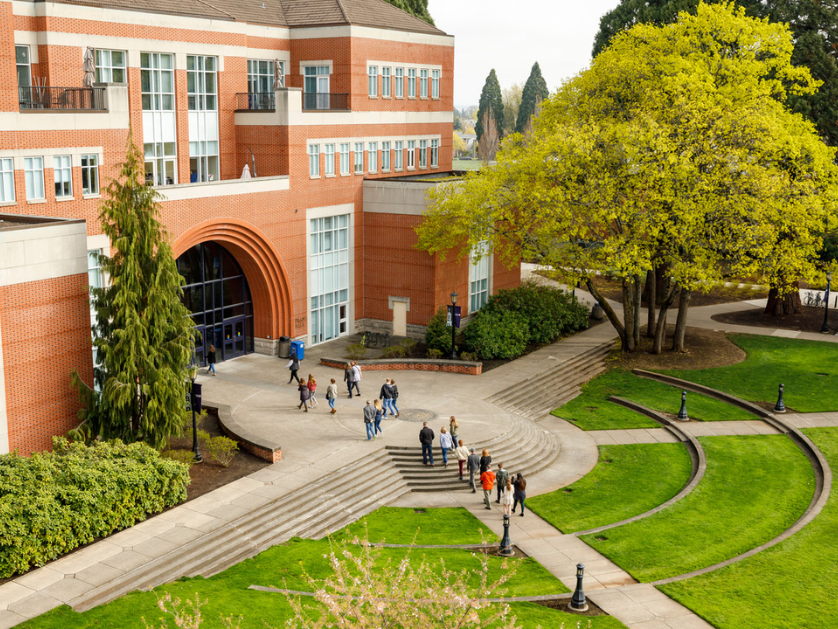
510 321
53 502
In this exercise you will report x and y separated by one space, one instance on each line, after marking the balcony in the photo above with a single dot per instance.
259 101
39 98
325 102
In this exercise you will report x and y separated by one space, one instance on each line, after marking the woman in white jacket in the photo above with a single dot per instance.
445 444
462 455
506 498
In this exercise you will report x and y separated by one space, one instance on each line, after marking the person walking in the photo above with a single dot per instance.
312 390
394 407
520 493
305 394
485 459
487 478
294 366
502 476
379 413
462 456
347 377
473 465
211 360
332 395
426 438
369 418
386 395
454 429
356 378
445 444
506 497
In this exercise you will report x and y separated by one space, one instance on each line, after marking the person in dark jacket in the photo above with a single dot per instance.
473 465
211 359
294 366
369 418
426 438
501 476
347 377
305 394
484 461
386 397
520 493
394 408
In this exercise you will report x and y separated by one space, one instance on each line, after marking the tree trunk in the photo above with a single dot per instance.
629 312
651 302
681 321
660 330
613 318
638 292
781 305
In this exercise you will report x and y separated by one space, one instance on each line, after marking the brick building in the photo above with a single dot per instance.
292 142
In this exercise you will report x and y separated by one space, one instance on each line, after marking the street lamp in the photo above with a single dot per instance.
453 329
578 602
505 542
825 327
195 403
682 414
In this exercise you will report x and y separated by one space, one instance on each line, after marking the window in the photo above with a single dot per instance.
110 66
62 169
260 83
359 157
157 79
478 278
7 180
373 81
411 153
398 155
385 82
372 157
24 74
329 263
423 84
344 159
314 160
316 87
33 171
435 84
434 153
95 279
202 98
330 160
89 174
411 82
399 82
385 156
423 153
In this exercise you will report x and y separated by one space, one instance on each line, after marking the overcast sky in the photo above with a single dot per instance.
510 36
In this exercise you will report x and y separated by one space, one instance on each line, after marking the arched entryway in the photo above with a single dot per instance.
217 294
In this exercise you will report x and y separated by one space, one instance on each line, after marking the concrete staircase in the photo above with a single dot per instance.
553 387
524 447
327 504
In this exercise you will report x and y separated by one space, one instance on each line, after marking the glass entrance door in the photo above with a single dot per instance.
235 338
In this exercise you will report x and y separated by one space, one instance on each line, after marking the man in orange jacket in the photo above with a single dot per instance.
488 480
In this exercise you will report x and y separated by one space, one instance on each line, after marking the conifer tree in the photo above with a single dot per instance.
535 91
143 333
418 8
490 97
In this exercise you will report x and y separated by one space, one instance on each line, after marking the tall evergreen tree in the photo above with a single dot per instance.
419 8
490 98
143 334
535 91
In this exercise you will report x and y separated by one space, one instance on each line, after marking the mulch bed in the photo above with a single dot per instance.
809 320
564 605
612 290
704 349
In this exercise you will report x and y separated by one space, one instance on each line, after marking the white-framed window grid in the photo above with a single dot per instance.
399 82
7 180
359 157
434 153
385 82
372 157
314 160
423 83
398 156
344 158
316 87
435 83
111 66
373 81
95 279
411 82
157 86
202 99
478 277
33 174
89 174
329 154
411 154
24 73
261 76
62 172
385 157
329 258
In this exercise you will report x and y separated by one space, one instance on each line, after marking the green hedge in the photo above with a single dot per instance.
438 335
496 335
53 502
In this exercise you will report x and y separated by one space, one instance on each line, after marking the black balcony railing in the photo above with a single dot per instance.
259 101
325 102
77 98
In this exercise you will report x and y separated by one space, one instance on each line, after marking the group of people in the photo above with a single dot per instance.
376 410
511 489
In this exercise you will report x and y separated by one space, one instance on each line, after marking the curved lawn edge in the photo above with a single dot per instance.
694 448
820 467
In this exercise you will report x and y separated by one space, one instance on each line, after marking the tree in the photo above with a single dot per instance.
535 91
459 145
490 98
490 142
418 8
511 104
673 151
143 334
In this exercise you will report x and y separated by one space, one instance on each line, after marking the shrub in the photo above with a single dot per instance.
438 335
187 457
549 313
221 449
470 357
496 334
355 351
394 351
408 344
434 353
53 502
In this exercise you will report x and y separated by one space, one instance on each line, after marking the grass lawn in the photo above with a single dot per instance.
467 164
436 526
282 566
592 411
808 369
789 586
627 481
754 488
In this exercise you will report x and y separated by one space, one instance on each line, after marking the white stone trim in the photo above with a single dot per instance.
43 252
391 300
323 62
368 32
4 419
299 118
222 188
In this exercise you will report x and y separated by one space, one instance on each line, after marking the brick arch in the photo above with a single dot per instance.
261 264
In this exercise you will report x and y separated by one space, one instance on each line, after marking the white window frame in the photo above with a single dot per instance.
435 74
423 153
386 82
261 75
411 82
479 278
314 160
89 175
411 154
398 157
24 72
62 174
373 81
319 78
202 102
329 153
33 174
330 242
158 102
359 158
385 157
434 153
399 82
423 83
109 70
7 180
372 157
344 158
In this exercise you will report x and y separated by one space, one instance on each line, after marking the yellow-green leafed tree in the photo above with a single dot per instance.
674 150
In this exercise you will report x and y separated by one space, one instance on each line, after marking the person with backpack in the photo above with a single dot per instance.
332 395
305 394
520 493
386 397
501 477
294 366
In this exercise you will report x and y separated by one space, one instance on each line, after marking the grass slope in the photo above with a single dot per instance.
755 487
592 411
808 369
627 481
436 526
789 586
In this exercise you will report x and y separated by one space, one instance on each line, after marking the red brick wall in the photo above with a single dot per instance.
45 330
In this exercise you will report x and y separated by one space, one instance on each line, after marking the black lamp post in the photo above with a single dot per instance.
780 407
453 329
505 542
682 414
825 326
195 399
578 602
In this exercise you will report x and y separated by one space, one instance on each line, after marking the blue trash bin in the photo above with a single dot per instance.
298 348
